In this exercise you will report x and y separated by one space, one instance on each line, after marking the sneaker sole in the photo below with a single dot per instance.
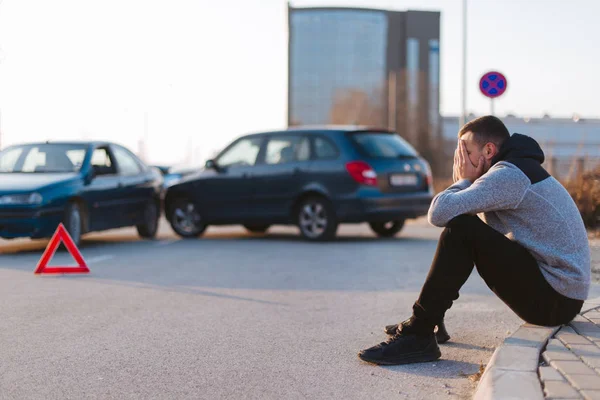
408 359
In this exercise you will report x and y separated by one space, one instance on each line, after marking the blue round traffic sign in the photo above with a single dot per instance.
493 84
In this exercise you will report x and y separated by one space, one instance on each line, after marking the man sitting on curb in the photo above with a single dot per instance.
512 220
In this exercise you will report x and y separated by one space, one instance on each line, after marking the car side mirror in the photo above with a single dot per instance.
91 175
211 164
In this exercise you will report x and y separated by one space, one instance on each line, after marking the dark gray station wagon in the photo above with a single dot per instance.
313 178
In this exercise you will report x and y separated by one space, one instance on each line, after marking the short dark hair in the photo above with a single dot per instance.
486 129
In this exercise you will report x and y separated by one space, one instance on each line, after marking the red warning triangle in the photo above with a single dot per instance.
61 235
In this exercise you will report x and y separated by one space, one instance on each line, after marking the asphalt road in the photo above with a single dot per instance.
233 315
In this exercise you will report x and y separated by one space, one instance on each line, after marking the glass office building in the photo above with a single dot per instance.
365 67
335 55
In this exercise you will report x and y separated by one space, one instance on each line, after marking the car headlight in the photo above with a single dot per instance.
30 198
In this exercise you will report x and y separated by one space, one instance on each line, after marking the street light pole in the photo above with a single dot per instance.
463 112
145 139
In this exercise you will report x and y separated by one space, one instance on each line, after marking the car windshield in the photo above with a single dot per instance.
383 145
42 158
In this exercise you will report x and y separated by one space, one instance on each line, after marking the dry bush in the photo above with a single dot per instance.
585 190
441 184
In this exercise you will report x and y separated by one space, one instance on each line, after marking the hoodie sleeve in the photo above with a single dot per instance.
502 187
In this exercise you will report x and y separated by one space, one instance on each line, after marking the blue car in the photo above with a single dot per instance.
88 186
313 178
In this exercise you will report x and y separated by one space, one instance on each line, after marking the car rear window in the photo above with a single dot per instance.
383 145
324 149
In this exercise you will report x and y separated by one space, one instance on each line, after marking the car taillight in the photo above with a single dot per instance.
362 173
429 174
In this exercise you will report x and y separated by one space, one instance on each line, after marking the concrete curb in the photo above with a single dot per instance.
512 372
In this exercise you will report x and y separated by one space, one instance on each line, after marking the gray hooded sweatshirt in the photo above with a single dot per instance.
519 199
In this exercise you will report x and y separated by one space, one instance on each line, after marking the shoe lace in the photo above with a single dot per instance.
392 339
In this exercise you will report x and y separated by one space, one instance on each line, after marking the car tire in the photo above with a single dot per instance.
185 219
73 222
387 229
257 228
316 219
149 227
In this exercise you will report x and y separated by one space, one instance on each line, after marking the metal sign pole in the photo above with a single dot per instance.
463 110
492 103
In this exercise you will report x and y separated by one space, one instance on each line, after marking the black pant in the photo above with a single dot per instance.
505 266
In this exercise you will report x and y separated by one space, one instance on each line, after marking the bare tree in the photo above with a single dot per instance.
409 117
357 107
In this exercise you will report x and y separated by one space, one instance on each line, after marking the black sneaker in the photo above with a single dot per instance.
403 348
441 334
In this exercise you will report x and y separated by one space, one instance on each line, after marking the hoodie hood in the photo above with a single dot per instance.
526 154
517 147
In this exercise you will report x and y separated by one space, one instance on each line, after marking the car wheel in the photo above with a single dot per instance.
387 229
149 227
185 219
316 219
73 222
257 228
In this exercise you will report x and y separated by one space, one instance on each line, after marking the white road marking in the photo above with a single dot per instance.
93 260
164 242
